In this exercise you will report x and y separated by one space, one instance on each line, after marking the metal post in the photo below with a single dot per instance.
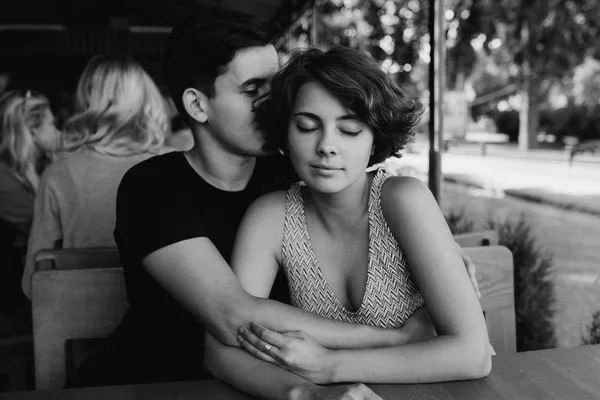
437 74
314 25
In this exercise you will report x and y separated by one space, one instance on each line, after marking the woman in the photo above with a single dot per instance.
358 246
120 120
28 138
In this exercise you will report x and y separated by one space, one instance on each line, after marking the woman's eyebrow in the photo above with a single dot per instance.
307 114
313 116
348 117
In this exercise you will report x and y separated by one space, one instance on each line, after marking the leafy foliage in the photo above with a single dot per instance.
458 222
593 331
534 285
532 46
586 84
535 297
572 120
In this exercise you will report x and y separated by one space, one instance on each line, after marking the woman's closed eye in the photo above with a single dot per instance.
351 129
350 132
305 124
306 127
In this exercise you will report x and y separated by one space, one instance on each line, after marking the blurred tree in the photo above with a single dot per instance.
586 84
464 26
537 41
392 31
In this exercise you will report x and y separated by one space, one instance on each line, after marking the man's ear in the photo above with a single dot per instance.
195 104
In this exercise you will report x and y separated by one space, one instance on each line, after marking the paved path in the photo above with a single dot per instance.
547 179
512 173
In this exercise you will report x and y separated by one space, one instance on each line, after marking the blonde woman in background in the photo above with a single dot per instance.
28 138
120 119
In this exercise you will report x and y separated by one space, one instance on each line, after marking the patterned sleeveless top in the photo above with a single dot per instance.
391 294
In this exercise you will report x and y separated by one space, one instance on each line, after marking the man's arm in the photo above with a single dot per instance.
195 274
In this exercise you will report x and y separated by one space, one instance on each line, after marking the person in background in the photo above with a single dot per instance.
180 137
28 139
120 119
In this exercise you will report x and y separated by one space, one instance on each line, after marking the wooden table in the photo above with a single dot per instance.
569 373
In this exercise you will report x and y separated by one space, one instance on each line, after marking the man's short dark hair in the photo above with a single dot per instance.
199 50
358 82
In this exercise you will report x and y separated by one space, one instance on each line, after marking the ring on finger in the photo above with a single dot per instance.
268 346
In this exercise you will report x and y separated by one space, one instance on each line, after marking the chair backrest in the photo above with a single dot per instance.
495 277
72 304
476 239
93 257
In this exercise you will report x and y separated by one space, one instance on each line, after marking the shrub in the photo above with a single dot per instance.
458 222
534 285
535 297
593 331
507 122
579 121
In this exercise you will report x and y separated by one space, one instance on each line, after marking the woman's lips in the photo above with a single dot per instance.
326 167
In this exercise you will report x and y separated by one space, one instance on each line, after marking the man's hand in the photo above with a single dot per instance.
297 352
471 270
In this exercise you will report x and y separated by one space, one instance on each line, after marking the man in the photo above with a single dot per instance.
177 216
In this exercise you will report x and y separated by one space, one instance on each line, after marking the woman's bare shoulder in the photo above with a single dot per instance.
403 190
268 211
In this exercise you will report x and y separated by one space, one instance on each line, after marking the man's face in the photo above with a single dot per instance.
230 116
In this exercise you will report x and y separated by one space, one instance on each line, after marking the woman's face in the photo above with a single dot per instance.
328 145
46 135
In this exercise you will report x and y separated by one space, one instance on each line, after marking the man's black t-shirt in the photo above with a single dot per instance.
162 201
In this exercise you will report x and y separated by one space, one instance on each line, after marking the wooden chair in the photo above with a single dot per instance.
16 341
475 239
72 304
496 284
96 257
16 363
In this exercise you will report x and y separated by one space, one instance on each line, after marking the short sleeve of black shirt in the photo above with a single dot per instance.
151 212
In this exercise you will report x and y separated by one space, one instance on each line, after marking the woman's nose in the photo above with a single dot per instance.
326 145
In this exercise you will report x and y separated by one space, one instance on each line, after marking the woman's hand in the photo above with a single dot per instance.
297 352
418 327
356 391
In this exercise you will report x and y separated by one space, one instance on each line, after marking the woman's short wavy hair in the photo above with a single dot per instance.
20 113
118 109
358 82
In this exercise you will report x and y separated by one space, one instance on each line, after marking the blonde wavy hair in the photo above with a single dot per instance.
20 113
119 110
